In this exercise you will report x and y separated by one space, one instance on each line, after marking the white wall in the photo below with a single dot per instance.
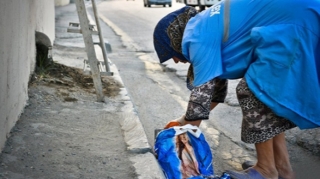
19 20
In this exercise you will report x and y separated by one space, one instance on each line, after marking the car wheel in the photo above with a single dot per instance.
145 5
149 5
170 5
164 5
201 8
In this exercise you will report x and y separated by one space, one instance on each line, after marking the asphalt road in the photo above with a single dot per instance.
159 93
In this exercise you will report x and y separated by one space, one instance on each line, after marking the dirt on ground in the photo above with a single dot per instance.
64 133
64 77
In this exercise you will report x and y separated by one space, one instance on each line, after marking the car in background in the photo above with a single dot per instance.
201 3
157 2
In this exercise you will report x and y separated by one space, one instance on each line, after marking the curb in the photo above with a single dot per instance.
144 162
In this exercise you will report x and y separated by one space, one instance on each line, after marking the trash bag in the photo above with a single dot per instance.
183 153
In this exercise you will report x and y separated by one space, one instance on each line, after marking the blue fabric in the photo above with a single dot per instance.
276 49
285 77
162 42
201 45
165 149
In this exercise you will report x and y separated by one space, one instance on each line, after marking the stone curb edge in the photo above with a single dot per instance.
144 162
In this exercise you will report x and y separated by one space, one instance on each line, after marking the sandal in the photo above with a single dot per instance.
248 164
251 173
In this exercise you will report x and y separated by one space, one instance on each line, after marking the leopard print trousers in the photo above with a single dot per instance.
259 123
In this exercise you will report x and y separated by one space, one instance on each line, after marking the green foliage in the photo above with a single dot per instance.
43 63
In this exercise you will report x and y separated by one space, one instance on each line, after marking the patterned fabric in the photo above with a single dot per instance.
199 102
190 78
259 123
220 87
220 90
167 36
199 106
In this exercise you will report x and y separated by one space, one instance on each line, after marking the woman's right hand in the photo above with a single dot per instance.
176 122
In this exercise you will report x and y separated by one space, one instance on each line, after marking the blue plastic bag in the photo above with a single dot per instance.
183 153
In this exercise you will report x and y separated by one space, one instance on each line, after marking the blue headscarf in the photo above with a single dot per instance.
167 36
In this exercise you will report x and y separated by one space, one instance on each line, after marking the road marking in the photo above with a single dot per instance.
127 41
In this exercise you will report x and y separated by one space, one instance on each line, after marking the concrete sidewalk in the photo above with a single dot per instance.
131 128
65 133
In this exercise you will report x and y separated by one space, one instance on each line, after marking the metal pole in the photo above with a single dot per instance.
102 45
88 41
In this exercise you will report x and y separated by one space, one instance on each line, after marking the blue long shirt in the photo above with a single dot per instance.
273 44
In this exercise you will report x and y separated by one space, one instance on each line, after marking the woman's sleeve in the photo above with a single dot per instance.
199 102
220 86
220 90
